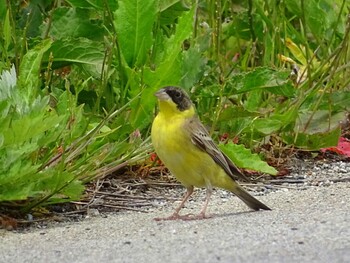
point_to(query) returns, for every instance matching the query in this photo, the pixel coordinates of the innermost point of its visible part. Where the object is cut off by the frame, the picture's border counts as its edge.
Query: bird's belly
(190, 165)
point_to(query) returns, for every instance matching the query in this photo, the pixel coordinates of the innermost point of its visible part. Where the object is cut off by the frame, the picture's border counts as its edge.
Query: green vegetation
(77, 79)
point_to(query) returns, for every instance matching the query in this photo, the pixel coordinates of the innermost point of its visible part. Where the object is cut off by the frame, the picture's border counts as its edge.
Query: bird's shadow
(193, 217)
(224, 215)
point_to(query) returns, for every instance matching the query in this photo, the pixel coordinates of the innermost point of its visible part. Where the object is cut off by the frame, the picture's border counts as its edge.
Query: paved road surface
(305, 226)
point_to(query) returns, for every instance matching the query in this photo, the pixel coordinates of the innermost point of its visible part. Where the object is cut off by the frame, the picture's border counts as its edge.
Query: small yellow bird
(185, 147)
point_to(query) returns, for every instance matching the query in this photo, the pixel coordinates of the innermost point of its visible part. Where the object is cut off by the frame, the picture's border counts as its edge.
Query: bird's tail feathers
(248, 199)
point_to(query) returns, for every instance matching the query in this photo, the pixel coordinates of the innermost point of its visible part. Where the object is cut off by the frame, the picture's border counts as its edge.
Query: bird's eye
(177, 94)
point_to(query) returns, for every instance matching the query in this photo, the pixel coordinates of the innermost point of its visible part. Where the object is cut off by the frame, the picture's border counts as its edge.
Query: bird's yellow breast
(173, 145)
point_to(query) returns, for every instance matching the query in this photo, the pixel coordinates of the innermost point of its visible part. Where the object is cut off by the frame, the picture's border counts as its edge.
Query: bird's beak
(162, 95)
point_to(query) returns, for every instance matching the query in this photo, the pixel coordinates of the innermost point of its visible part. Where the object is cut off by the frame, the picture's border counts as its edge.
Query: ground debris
(131, 190)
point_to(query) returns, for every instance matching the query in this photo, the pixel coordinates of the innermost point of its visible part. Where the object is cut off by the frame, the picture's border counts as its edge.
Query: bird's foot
(186, 217)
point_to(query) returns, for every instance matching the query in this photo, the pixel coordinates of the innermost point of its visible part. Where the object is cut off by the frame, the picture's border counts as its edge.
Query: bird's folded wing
(200, 138)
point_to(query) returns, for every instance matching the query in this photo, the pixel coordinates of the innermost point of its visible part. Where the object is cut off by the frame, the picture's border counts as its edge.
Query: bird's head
(174, 100)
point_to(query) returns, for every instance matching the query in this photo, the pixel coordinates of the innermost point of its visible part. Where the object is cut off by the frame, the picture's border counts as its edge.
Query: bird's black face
(179, 97)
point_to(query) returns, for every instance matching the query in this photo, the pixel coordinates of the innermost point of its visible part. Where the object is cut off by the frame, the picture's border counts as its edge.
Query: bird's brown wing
(200, 137)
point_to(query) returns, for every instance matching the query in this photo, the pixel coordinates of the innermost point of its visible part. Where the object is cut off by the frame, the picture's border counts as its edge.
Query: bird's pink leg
(176, 215)
(201, 214)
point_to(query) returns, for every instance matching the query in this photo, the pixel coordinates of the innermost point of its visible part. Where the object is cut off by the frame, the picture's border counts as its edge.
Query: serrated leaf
(134, 22)
(243, 158)
(8, 80)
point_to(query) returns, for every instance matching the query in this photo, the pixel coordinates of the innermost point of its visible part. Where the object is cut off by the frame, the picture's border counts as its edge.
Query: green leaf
(58, 186)
(81, 51)
(3, 8)
(321, 121)
(17, 173)
(314, 141)
(276, 122)
(98, 4)
(243, 158)
(316, 16)
(8, 81)
(29, 69)
(74, 22)
(339, 99)
(7, 31)
(315, 130)
(168, 72)
(267, 126)
(276, 82)
(192, 67)
(134, 22)
(171, 10)
(254, 100)
(29, 127)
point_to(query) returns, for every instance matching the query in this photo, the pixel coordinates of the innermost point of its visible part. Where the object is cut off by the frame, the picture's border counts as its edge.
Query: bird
(185, 147)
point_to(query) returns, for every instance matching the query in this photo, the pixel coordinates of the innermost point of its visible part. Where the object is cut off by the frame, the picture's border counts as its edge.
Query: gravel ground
(310, 222)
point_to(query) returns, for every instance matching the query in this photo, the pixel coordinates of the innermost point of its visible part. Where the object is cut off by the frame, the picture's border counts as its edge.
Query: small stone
(93, 212)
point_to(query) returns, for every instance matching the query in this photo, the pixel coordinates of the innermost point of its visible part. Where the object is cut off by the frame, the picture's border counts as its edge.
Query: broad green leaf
(267, 126)
(171, 10)
(243, 158)
(274, 123)
(321, 121)
(166, 4)
(81, 51)
(262, 78)
(315, 130)
(254, 100)
(134, 22)
(314, 141)
(234, 112)
(98, 4)
(29, 69)
(319, 15)
(339, 99)
(192, 67)
(73, 23)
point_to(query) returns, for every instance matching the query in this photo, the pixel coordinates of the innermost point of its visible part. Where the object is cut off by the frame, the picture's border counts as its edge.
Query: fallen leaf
(343, 147)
